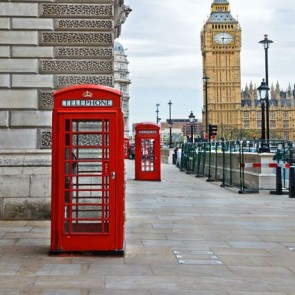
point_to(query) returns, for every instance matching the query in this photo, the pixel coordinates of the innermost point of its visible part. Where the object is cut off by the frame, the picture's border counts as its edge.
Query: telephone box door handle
(113, 175)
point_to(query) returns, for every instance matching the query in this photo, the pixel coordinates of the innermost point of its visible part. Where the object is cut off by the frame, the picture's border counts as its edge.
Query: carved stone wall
(85, 52)
(45, 99)
(76, 10)
(75, 38)
(45, 139)
(82, 24)
(76, 66)
(67, 80)
(45, 46)
(82, 40)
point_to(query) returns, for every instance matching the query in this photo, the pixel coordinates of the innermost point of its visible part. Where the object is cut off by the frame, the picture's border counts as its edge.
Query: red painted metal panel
(126, 148)
(147, 151)
(87, 171)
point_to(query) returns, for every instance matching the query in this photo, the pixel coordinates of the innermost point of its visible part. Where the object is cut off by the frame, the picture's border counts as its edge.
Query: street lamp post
(265, 42)
(170, 125)
(206, 78)
(262, 102)
(157, 111)
(263, 94)
(192, 121)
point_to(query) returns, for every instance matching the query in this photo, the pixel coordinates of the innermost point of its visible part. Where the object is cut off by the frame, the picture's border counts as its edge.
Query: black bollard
(174, 157)
(292, 182)
(279, 186)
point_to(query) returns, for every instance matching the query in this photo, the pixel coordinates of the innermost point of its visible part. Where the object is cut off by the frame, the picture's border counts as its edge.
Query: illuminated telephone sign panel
(87, 213)
(147, 152)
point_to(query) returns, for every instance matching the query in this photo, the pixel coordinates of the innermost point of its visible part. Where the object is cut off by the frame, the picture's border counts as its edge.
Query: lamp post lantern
(265, 42)
(170, 125)
(192, 121)
(205, 79)
(263, 93)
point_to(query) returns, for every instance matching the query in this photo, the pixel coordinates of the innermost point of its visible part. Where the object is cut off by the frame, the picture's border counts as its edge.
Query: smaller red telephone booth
(147, 152)
(87, 206)
(126, 148)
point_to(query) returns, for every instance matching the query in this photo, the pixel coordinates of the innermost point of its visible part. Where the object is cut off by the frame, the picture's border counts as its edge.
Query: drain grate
(196, 257)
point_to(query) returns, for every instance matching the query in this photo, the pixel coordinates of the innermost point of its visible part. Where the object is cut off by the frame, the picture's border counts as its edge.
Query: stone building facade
(122, 82)
(281, 111)
(181, 130)
(44, 46)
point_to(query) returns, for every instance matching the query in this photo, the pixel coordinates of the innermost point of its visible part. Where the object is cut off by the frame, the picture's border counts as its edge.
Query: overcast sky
(162, 41)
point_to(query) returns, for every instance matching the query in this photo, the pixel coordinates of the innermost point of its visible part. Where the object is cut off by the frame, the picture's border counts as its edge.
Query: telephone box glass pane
(147, 154)
(86, 176)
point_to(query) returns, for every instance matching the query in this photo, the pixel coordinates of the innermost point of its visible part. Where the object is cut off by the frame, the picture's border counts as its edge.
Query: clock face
(223, 38)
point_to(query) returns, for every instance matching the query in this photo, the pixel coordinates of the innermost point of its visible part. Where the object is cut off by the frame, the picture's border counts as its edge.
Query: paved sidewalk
(183, 236)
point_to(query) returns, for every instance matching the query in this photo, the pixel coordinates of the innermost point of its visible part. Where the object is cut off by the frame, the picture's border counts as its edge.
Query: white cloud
(163, 41)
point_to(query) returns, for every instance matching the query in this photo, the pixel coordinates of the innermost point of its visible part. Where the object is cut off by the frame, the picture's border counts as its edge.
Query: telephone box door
(87, 180)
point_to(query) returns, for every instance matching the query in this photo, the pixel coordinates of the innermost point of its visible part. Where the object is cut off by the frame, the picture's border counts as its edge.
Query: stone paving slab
(184, 236)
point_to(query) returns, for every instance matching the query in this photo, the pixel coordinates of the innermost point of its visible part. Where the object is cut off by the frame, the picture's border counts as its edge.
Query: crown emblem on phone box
(87, 94)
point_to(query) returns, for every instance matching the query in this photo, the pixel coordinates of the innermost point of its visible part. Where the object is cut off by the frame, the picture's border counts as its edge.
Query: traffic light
(212, 130)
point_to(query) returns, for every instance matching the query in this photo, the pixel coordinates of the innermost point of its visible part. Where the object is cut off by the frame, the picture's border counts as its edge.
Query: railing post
(209, 163)
(292, 182)
(198, 162)
(241, 156)
(204, 158)
(182, 159)
(223, 164)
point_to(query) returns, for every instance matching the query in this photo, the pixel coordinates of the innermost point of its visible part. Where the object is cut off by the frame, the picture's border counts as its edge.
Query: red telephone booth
(147, 152)
(87, 211)
(126, 148)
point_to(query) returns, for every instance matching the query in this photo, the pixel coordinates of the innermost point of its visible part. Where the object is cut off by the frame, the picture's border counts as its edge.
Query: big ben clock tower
(221, 47)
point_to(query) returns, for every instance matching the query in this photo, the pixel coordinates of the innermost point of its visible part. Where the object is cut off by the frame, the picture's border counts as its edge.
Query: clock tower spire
(220, 6)
(221, 47)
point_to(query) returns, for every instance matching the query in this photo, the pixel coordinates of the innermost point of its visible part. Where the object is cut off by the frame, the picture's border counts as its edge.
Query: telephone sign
(87, 171)
(86, 103)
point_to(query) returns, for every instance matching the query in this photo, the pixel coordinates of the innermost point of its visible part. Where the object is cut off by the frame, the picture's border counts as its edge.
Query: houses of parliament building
(236, 112)
(281, 112)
